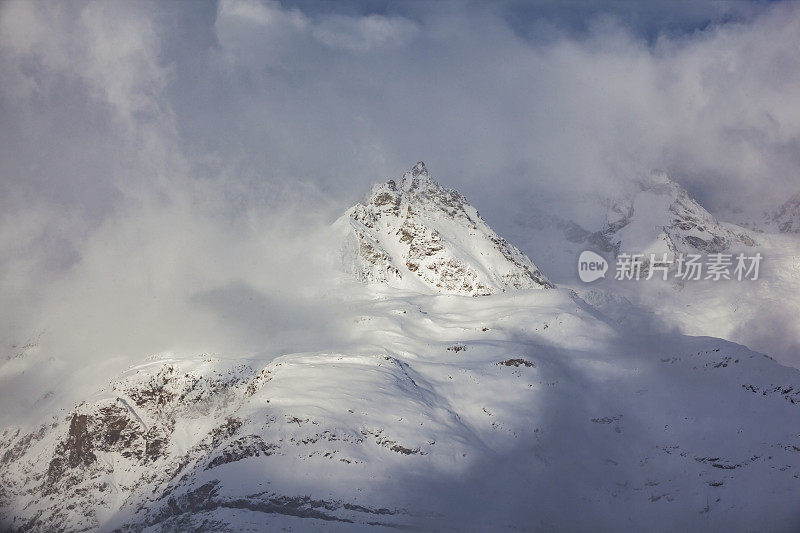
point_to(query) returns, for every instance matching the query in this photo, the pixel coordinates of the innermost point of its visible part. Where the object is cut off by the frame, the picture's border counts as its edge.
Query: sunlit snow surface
(525, 410)
(418, 235)
(532, 407)
(660, 217)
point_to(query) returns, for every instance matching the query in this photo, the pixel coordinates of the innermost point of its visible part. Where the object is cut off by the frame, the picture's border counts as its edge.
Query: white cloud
(156, 159)
(267, 14)
(361, 34)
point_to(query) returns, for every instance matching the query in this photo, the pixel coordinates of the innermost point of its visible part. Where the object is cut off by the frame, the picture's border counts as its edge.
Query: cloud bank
(167, 171)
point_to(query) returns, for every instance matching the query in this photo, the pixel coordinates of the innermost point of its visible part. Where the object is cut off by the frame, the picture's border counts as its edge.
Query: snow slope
(420, 235)
(444, 411)
(661, 217)
(658, 216)
(522, 409)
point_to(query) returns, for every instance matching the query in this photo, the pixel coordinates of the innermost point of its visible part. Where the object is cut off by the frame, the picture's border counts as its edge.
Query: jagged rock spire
(424, 236)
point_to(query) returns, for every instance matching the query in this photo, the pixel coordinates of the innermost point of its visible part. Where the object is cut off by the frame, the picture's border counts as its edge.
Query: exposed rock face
(418, 234)
(504, 393)
(692, 227)
(158, 442)
(109, 448)
(662, 217)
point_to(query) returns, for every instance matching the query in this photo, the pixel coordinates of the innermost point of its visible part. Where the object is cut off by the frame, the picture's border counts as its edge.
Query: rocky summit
(417, 234)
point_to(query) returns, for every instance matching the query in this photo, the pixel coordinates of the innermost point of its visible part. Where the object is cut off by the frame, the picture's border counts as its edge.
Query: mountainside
(661, 217)
(434, 411)
(417, 234)
(443, 411)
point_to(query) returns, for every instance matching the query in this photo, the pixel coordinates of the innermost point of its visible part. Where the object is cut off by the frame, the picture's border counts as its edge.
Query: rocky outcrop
(661, 217)
(418, 234)
(164, 432)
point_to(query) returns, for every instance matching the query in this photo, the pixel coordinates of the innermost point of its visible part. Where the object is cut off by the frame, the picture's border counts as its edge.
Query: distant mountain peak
(418, 178)
(664, 217)
(419, 169)
(420, 235)
(660, 216)
(658, 177)
(787, 217)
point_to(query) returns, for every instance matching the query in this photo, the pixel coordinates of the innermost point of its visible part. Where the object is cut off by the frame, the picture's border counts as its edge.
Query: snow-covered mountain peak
(662, 217)
(422, 236)
(417, 176)
(659, 183)
(472, 407)
(659, 180)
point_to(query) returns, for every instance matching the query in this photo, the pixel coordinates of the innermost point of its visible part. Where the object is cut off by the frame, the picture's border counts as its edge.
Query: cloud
(242, 23)
(161, 162)
(365, 33)
(110, 248)
(568, 113)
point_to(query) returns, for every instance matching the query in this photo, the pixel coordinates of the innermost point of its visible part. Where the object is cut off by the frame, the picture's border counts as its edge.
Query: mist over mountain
(476, 368)
(218, 258)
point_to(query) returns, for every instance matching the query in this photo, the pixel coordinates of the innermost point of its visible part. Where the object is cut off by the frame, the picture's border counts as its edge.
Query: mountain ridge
(416, 233)
(661, 217)
(435, 410)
